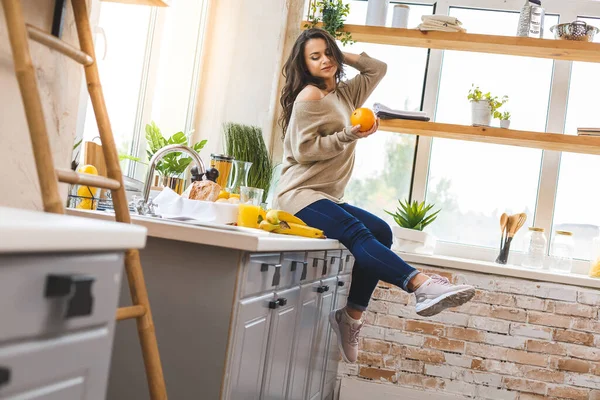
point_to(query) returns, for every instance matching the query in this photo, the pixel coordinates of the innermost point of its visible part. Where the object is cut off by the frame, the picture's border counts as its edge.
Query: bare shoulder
(310, 93)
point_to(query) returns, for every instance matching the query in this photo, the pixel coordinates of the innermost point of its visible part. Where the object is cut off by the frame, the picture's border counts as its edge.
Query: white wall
(59, 80)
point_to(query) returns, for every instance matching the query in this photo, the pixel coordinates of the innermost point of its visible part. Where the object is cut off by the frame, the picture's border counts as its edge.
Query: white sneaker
(437, 294)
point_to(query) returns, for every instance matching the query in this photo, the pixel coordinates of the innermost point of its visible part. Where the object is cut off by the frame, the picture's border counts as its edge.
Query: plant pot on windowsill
(505, 123)
(412, 218)
(481, 113)
(413, 241)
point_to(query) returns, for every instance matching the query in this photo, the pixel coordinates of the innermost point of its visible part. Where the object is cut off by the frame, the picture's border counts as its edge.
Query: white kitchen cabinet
(319, 352)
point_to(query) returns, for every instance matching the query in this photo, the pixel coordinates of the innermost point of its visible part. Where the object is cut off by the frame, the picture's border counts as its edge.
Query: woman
(318, 160)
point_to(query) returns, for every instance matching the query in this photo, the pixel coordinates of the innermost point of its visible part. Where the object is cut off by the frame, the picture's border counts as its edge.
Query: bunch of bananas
(279, 221)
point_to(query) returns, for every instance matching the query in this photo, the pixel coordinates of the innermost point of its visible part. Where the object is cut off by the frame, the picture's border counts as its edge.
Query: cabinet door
(303, 340)
(250, 349)
(333, 358)
(319, 349)
(281, 338)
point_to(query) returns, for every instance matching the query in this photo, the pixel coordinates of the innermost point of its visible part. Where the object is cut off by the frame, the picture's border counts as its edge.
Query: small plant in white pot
(412, 218)
(504, 118)
(483, 106)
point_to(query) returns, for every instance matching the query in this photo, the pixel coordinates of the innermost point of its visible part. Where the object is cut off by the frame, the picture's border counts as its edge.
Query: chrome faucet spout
(163, 152)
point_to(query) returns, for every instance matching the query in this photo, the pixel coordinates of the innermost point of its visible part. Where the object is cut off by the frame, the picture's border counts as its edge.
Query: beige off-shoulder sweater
(319, 146)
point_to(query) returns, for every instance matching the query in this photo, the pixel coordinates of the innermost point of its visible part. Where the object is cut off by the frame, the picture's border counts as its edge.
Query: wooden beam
(510, 45)
(538, 140)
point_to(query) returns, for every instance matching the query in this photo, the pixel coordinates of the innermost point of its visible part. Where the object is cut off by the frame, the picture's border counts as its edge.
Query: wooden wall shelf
(511, 45)
(546, 141)
(155, 3)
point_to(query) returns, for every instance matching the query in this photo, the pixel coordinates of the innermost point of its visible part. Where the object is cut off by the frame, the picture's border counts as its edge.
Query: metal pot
(577, 30)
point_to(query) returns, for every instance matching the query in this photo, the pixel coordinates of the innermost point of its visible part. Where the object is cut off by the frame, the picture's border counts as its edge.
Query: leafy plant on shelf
(502, 116)
(332, 14)
(172, 164)
(414, 215)
(476, 94)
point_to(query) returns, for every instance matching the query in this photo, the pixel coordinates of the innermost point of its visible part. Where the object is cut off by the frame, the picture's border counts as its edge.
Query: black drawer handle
(341, 283)
(273, 304)
(304, 265)
(282, 301)
(326, 288)
(4, 376)
(323, 289)
(347, 257)
(264, 267)
(77, 289)
(324, 271)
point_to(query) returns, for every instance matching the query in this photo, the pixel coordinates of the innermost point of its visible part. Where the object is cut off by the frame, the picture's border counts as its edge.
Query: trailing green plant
(332, 13)
(476, 94)
(414, 215)
(246, 143)
(172, 164)
(502, 116)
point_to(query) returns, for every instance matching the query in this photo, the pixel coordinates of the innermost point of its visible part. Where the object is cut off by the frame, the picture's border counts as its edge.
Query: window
(474, 183)
(578, 194)
(149, 72)
(384, 162)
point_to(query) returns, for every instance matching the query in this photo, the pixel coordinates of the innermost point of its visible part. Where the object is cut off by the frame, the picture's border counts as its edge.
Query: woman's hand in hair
(356, 130)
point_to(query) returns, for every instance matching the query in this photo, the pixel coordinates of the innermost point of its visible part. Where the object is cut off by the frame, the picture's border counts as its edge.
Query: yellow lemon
(223, 194)
(234, 196)
(87, 191)
(86, 204)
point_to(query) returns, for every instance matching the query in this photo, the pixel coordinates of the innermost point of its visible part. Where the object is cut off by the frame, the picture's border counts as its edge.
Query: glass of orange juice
(249, 209)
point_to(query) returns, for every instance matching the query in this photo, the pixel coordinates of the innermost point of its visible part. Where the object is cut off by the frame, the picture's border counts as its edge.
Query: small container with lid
(561, 252)
(535, 245)
(223, 164)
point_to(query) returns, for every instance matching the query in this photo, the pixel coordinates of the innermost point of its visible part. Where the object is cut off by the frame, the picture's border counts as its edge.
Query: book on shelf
(588, 131)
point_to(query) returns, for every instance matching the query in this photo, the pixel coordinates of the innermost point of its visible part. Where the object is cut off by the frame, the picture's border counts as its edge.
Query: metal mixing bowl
(577, 30)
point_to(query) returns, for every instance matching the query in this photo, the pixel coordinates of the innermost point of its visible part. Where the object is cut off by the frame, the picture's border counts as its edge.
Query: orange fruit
(364, 117)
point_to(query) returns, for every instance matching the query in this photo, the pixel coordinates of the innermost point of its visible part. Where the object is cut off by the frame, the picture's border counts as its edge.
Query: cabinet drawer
(336, 266)
(50, 294)
(59, 366)
(318, 264)
(262, 272)
(294, 269)
(348, 261)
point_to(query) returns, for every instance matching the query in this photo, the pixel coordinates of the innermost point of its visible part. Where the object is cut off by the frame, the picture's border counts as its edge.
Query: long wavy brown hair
(296, 72)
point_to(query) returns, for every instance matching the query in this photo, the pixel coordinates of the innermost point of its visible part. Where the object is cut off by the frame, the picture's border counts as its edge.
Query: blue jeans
(369, 239)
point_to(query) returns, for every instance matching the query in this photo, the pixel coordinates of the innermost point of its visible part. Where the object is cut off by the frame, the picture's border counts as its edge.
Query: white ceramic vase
(505, 123)
(481, 113)
(413, 241)
(400, 16)
(377, 12)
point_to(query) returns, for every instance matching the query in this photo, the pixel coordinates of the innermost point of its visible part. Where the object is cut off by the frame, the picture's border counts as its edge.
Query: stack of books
(588, 131)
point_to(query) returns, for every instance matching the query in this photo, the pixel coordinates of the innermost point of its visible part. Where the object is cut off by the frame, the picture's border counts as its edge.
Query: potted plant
(412, 218)
(332, 14)
(504, 118)
(483, 106)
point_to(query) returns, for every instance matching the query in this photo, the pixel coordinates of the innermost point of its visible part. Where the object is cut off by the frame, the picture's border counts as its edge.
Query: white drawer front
(348, 261)
(318, 264)
(49, 294)
(294, 269)
(336, 266)
(58, 366)
(262, 272)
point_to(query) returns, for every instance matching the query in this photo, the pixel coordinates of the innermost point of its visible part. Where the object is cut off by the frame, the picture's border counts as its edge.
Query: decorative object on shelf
(588, 131)
(531, 20)
(483, 106)
(377, 12)
(576, 30)
(595, 258)
(535, 245)
(509, 226)
(400, 16)
(504, 118)
(412, 218)
(332, 13)
(562, 250)
(246, 143)
(385, 112)
(172, 166)
(441, 23)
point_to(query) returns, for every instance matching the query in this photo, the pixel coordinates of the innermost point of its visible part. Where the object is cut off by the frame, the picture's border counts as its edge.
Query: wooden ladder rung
(130, 312)
(77, 178)
(62, 47)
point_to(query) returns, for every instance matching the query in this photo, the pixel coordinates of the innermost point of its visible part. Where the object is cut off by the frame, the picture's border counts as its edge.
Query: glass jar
(595, 258)
(535, 244)
(561, 252)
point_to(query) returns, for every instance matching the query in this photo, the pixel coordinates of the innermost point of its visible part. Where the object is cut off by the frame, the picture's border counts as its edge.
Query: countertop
(246, 239)
(26, 231)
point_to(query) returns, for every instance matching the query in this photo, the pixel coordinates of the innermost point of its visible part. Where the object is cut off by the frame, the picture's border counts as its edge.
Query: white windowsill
(486, 267)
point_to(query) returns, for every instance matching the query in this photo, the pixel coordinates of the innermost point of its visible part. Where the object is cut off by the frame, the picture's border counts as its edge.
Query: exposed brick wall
(517, 340)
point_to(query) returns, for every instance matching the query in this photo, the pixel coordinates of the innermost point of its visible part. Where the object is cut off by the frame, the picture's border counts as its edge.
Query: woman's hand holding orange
(356, 130)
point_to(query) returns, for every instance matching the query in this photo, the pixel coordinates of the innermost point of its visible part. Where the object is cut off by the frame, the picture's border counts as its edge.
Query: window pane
(126, 29)
(384, 161)
(577, 195)
(474, 183)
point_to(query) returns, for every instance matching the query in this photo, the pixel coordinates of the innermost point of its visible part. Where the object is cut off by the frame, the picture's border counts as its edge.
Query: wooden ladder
(49, 177)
